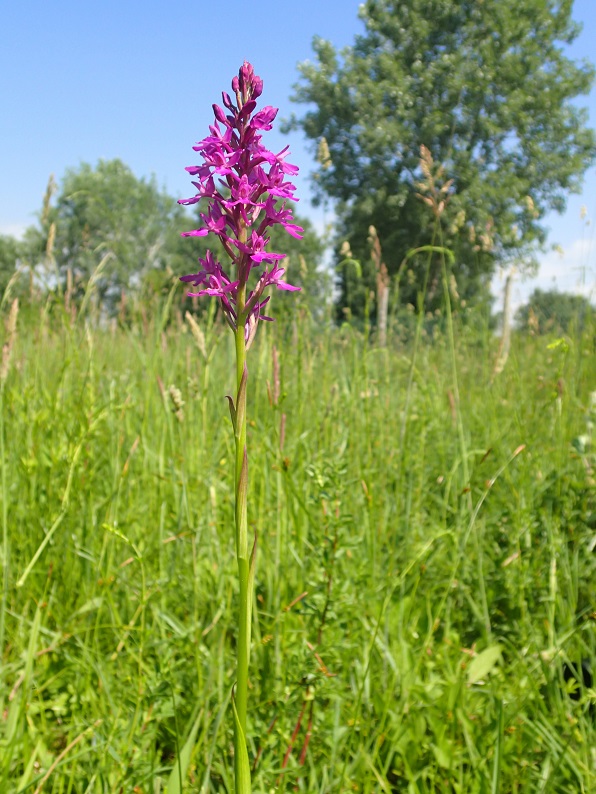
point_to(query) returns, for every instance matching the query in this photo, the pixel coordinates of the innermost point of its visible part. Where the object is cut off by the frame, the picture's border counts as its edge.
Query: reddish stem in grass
(293, 739)
(308, 734)
(260, 750)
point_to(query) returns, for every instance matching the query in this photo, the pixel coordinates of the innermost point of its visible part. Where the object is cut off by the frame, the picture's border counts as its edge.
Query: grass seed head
(11, 334)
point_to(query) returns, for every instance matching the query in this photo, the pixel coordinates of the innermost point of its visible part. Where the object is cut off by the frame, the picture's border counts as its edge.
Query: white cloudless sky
(80, 81)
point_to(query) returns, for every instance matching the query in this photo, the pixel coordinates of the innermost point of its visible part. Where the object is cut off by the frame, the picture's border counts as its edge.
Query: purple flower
(250, 196)
(282, 216)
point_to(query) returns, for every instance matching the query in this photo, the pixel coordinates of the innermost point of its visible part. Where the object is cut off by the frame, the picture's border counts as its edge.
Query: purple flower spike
(248, 196)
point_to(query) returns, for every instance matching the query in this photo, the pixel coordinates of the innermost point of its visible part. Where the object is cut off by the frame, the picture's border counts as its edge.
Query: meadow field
(426, 576)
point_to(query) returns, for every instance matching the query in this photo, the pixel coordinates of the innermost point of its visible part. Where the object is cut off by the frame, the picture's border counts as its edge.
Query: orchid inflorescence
(245, 189)
(250, 196)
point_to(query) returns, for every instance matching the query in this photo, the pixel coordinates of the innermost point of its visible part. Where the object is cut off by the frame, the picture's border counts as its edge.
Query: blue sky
(81, 81)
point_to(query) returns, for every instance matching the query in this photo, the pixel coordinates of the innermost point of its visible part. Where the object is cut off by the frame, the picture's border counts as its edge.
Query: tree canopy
(550, 310)
(486, 87)
(107, 214)
(104, 221)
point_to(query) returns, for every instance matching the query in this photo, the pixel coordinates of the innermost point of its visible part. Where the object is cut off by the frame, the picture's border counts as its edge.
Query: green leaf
(178, 773)
(443, 752)
(89, 606)
(241, 756)
(481, 665)
(498, 759)
(232, 408)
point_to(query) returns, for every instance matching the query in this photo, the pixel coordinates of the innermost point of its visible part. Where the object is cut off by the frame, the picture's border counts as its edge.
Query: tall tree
(487, 88)
(126, 232)
(105, 215)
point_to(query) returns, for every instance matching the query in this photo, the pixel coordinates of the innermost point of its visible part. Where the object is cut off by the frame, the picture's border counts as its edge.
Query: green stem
(242, 554)
(5, 551)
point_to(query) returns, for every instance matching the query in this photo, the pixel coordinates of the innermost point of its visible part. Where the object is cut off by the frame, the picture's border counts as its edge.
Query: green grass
(421, 580)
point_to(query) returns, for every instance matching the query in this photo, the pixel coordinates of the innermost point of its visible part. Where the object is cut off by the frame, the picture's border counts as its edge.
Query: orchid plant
(247, 191)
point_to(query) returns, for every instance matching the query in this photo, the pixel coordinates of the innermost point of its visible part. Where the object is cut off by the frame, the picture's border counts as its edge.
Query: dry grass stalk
(9, 288)
(324, 155)
(177, 402)
(95, 276)
(47, 199)
(432, 192)
(505, 343)
(50, 242)
(453, 287)
(69, 305)
(197, 333)
(274, 393)
(533, 322)
(68, 293)
(382, 285)
(485, 237)
(11, 335)
(64, 753)
(303, 266)
(276, 378)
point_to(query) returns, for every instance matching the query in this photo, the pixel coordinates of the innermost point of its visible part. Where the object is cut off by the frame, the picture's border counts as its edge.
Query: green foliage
(303, 269)
(17, 267)
(553, 311)
(10, 253)
(106, 217)
(121, 234)
(420, 579)
(487, 88)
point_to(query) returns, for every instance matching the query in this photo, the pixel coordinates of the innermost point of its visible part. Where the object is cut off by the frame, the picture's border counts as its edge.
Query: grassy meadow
(426, 559)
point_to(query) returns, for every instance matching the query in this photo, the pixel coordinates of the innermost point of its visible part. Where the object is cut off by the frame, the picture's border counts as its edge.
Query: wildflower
(248, 191)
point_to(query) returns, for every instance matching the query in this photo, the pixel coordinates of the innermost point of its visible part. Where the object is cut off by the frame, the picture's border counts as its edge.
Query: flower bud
(257, 87)
(248, 108)
(253, 181)
(245, 74)
(219, 114)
